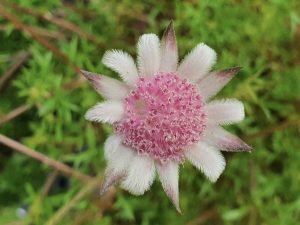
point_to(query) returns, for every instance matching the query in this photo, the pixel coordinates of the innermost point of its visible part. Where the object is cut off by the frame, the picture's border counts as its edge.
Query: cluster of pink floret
(163, 115)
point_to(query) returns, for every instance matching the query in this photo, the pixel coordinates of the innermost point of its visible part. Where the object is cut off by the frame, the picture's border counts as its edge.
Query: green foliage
(257, 188)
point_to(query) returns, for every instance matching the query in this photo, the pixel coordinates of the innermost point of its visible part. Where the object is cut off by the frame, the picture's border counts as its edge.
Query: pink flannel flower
(162, 115)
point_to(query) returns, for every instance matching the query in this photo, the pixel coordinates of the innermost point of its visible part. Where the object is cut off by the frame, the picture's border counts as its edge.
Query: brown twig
(106, 202)
(43, 41)
(57, 21)
(75, 83)
(13, 114)
(18, 222)
(83, 12)
(36, 206)
(42, 32)
(47, 33)
(88, 188)
(48, 184)
(253, 186)
(21, 58)
(205, 216)
(85, 217)
(269, 130)
(44, 159)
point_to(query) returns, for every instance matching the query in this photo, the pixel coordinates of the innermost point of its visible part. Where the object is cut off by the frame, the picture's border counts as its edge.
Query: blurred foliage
(258, 188)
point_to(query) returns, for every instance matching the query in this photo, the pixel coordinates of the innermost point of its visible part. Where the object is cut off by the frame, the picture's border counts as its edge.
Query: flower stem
(44, 159)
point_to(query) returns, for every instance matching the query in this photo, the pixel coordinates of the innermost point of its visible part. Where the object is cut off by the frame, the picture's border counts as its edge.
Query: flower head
(162, 114)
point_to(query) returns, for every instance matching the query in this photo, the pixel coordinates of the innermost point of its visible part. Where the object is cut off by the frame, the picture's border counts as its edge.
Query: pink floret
(163, 115)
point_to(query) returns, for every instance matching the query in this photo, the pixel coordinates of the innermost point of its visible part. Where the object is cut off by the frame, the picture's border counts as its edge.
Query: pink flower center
(163, 115)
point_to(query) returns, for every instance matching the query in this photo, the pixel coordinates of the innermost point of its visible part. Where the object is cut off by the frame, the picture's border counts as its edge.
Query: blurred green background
(43, 101)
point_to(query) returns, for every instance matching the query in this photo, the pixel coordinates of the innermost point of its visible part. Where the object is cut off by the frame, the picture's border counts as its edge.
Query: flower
(162, 115)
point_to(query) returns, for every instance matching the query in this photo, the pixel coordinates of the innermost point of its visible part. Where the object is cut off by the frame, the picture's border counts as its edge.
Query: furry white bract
(169, 51)
(120, 159)
(210, 85)
(168, 175)
(112, 89)
(221, 139)
(109, 88)
(111, 145)
(197, 63)
(140, 176)
(148, 55)
(107, 112)
(207, 159)
(123, 64)
(225, 111)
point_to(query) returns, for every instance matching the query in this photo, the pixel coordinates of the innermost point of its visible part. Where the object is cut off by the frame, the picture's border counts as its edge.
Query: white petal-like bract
(168, 175)
(118, 161)
(107, 112)
(207, 159)
(111, 145)
(120, 158)
(169, 51)
(197, 63)
(122, 63)
(210, 85)
(224, 140)
(140, 175)
(226, 111)
(109, 88)
(148, 55)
